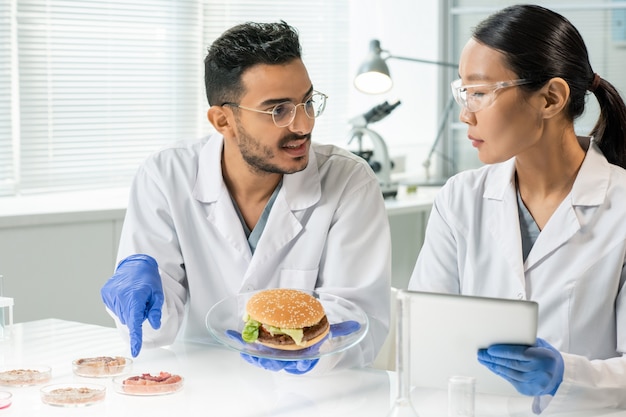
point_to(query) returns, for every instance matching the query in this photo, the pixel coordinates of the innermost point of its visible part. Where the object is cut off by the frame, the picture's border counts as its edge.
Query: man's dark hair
(242, 47)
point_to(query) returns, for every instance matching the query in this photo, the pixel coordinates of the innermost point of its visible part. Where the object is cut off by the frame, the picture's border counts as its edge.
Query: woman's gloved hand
(135, 293)
(297, 367)
(533, 370)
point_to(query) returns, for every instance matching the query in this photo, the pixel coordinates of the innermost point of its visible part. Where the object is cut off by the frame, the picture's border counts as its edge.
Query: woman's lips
(475, 141)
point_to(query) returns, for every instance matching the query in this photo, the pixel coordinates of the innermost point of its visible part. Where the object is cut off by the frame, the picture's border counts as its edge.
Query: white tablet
(447, 331)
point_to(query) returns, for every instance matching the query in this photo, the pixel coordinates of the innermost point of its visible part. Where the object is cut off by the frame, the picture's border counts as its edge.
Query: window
(88, 88)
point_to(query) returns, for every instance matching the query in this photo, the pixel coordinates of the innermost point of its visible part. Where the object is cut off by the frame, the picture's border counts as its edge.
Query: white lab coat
(327, 231)
(575, 271)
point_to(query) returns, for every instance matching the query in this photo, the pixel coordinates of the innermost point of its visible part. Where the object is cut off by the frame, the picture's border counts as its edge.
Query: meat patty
(282, 339)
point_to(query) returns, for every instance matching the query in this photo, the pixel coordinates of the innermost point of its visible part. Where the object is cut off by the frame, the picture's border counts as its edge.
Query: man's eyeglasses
(475, 97)
(284, 113)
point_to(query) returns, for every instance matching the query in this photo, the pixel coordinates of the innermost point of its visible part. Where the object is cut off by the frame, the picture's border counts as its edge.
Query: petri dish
(145, 383)
(23, 376)
(73, 395)
(6, 398)
(101, 366)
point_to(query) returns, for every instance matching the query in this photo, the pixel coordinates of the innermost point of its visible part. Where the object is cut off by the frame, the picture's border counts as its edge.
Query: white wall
(405, 28)
(55, 269)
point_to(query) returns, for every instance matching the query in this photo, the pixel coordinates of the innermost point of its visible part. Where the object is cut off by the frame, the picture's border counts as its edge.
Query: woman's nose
(466, 116)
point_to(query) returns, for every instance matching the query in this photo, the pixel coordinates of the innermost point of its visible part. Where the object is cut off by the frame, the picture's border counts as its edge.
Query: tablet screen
(447, 331)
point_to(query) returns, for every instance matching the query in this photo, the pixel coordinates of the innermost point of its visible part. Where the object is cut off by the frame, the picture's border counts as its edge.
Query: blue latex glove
(533, 370)
(135, 293)
(297, 367)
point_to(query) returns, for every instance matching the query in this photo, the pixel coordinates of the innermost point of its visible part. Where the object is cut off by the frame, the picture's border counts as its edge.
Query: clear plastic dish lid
(73, 394)
(101, 366)
(348, 326)
(5, 399)
(25, 375)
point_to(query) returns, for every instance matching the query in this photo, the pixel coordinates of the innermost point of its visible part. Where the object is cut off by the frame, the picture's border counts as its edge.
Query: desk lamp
(374, 77)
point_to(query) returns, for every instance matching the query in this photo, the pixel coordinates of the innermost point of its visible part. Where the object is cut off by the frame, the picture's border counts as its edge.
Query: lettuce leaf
(250, 332)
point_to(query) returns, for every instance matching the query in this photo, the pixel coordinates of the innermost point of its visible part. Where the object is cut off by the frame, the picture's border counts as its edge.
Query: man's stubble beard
(257, 156)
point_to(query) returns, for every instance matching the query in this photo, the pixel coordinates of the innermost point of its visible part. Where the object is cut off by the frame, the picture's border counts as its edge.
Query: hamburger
(284, 319)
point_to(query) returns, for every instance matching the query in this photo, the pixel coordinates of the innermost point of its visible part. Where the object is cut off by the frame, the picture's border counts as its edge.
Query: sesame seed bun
(288, 309)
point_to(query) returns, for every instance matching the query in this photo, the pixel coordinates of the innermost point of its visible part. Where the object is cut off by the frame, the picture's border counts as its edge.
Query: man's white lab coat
(327, 231)
(576, 270)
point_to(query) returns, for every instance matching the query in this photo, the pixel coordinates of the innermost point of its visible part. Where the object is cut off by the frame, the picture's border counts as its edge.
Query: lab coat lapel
(589, 190)
(281, 228)
(211, 190)
(500, 196)
(300, 191)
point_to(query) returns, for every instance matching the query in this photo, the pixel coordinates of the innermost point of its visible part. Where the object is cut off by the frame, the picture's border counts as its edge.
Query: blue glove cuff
(559, 368)
(139, 257)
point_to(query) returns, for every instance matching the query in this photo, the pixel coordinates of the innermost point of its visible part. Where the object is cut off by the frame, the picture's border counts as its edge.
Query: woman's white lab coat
(327, 231)
(575, 271)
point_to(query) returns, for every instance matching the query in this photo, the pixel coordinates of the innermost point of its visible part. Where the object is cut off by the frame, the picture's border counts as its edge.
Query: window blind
(101, 83)
(7, 174)
(90, 87)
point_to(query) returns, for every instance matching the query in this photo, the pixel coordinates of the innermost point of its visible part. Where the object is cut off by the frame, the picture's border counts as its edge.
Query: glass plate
(227, 315)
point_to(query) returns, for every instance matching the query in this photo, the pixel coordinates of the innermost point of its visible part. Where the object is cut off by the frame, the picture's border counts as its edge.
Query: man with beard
(256, 205)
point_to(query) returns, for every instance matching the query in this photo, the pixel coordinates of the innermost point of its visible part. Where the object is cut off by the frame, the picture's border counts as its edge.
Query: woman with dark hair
(545, 218)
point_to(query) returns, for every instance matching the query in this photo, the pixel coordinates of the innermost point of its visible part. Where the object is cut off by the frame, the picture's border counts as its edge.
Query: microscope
(378, 157)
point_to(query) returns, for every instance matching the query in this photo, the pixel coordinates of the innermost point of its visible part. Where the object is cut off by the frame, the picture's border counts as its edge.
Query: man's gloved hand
(297, 367)
(135, 293)
(533, 370)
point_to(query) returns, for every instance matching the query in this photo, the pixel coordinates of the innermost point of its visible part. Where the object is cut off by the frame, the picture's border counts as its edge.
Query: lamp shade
(373, 75)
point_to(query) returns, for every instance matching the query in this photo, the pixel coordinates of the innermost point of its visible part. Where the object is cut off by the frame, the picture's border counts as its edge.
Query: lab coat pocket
(298, 278)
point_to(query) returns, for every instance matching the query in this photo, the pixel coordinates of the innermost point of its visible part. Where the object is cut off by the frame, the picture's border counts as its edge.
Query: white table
(217, 381)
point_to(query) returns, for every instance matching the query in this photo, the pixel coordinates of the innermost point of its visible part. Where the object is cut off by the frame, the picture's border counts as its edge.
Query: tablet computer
(446, 331)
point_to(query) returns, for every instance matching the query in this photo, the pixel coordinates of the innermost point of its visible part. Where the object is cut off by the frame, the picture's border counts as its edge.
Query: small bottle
(461, 392)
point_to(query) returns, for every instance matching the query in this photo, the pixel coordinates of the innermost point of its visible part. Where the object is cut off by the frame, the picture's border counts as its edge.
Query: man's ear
(221, 120)
(556, 93)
